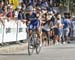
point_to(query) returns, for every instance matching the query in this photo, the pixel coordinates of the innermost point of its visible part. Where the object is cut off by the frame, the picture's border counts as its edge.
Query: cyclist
(33, 21)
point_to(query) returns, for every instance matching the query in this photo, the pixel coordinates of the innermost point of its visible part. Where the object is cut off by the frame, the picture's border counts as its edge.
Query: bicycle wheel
(30, 47)
(38, 47)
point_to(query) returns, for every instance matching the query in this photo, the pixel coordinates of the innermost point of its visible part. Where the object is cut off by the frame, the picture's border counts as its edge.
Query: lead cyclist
(32, 21)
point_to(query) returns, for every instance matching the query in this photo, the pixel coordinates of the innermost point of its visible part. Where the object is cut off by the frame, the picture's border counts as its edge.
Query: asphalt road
(65, 52)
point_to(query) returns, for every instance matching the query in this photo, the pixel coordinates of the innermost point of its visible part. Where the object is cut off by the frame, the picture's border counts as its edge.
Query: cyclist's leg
(38, 30)
(30, 29)
(38, 33)
(37, 24)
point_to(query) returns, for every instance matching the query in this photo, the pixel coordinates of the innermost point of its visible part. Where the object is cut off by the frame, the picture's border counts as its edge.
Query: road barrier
(1, 32)
(12, 31)
(21, 31)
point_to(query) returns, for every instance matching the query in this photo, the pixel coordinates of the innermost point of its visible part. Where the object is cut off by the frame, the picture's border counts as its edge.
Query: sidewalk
(13, 48)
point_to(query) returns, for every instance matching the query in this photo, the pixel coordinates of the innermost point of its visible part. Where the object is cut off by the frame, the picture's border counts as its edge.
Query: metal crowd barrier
(12, 31)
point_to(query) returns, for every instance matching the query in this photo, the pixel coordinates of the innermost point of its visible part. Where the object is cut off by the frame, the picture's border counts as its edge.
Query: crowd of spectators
(57, 27)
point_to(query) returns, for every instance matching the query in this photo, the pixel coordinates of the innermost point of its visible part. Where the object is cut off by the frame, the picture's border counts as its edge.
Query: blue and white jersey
(31, 17)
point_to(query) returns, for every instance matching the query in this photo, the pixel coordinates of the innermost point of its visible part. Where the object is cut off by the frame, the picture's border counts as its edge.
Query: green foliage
(71, 7)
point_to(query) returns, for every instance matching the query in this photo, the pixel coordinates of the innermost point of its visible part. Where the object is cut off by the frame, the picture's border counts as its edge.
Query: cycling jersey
(34, 20)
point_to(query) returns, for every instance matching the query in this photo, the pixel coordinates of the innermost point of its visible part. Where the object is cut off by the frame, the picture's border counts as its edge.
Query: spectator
(20, 17)
(58, 30)
(44, 4)
(1, 10)
(10, 13)
(16, 13)
(67, 24)
(73, 26)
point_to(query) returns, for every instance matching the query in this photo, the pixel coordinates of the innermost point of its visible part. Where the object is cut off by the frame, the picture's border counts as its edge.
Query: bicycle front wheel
(38, 47)
(30, 48)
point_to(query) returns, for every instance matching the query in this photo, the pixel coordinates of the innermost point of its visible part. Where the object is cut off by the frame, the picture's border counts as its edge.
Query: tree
(69, 4)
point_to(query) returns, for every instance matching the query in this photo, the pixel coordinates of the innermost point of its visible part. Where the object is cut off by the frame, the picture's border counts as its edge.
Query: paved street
(65, 52)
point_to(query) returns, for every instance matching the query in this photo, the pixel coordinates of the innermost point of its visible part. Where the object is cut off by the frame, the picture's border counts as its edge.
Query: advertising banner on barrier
(22, 34)
(10, 31)
(1, 32)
